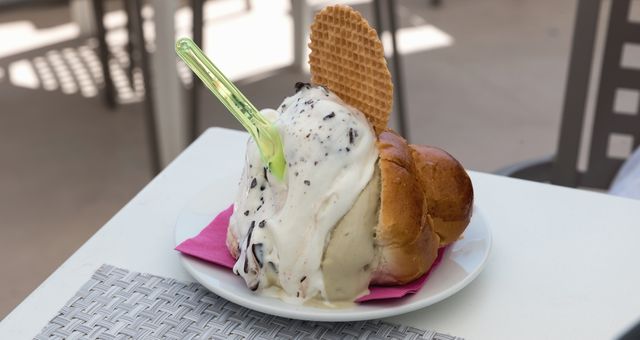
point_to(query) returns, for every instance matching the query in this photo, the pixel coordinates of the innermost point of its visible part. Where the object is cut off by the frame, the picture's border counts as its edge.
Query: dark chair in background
(138, 55)
(103, 51)
(608, 124)
(138, 58)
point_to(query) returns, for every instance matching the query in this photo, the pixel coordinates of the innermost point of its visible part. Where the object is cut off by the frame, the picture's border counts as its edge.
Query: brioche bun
(447, 189)
(407, 246)
(425, 203)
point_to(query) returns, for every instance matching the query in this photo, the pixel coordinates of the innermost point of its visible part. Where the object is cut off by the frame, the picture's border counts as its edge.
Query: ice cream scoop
(282, 228)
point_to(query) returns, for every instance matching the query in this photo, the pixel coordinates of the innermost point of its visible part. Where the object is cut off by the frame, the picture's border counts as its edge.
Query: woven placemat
(119, 304)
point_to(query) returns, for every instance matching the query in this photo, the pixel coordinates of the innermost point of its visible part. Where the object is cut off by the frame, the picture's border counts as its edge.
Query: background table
(564, 262)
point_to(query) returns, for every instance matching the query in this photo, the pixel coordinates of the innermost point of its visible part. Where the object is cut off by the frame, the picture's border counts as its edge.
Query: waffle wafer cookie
(347, 57)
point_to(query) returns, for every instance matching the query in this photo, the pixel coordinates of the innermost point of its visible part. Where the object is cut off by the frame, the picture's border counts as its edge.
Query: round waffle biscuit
(347, 57)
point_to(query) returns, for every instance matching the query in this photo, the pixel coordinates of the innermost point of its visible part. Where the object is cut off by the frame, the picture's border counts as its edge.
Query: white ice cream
(284, 227)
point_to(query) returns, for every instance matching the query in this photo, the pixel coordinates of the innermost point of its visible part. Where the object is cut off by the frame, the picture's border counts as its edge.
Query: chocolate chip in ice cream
(299, 85)
(329, 116)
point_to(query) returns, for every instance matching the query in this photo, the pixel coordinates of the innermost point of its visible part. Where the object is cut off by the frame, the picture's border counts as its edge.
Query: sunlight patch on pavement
(22, 36)
(417, 39)
(22, 74)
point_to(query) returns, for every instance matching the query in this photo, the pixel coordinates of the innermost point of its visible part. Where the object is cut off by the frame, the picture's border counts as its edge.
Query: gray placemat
(119, 304)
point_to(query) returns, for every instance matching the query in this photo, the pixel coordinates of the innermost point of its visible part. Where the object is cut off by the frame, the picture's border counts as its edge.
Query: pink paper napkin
(209, 245)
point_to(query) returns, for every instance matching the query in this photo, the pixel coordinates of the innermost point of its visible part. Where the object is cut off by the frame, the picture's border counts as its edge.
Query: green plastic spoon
(263, 132)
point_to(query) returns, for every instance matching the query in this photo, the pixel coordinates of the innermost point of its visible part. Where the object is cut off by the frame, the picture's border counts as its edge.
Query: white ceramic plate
(461, 263)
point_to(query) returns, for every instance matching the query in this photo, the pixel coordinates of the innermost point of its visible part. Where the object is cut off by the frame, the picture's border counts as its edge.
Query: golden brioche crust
(406, 243)
(447, 189)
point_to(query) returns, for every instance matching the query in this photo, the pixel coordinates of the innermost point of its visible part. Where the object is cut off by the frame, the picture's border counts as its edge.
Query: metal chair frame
(138, 58)
(562, 168)
(103, 53)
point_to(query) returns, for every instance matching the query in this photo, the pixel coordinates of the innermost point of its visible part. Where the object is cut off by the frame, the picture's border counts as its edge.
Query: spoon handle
(263, 132)
(226, 92)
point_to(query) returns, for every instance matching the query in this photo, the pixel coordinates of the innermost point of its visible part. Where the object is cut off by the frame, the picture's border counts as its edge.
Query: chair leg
(397, 71)
(197, 7)
(134, 12)
(103, 53)
(377, 17)
(300, 13)
(130, 47)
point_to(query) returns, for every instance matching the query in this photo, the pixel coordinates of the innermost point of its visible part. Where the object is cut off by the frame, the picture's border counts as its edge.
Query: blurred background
(94, 102)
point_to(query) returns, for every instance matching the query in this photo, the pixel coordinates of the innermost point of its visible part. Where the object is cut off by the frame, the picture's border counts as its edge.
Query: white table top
(564, 262)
